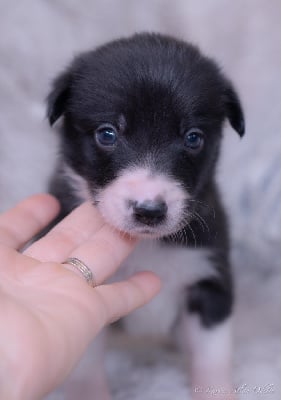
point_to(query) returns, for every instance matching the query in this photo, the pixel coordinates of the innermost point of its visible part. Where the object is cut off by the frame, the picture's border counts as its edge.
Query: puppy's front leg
(206, 338)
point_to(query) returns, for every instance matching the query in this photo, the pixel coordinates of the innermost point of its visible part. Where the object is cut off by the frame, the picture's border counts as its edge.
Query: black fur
(211, 299)
(153, 89)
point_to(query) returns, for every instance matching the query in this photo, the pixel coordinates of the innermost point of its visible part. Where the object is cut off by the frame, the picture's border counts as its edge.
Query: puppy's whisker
(184, 237)
(202, 220)
(201, 204)
(195, 217)
(193, 235)
(177, 236)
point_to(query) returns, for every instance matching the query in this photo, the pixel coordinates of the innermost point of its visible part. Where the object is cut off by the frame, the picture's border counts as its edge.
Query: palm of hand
(50, 314)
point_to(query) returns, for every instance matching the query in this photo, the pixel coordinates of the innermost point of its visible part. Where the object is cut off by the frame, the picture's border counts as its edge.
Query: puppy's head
(142, 127)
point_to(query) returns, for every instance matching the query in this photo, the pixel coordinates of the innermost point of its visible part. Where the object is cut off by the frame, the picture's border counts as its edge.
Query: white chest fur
(178, 267)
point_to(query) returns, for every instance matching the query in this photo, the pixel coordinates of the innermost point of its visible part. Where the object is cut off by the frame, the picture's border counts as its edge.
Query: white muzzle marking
(139, 185)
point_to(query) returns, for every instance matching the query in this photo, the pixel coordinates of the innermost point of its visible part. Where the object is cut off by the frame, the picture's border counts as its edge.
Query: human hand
(49, 314)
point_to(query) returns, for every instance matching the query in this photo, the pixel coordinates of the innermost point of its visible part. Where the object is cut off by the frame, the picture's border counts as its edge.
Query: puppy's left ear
(57, 99)
(233, 108)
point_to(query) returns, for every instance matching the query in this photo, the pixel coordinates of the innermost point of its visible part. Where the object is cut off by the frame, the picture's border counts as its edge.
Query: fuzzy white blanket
(38, 38)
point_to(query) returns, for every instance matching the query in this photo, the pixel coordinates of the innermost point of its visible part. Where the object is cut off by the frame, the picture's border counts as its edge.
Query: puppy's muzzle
(150, 212)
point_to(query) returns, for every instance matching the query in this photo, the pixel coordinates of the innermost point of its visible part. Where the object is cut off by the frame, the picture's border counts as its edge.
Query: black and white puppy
(141, 134)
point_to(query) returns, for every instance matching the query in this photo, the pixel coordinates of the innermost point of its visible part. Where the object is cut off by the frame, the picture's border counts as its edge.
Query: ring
(82, 267)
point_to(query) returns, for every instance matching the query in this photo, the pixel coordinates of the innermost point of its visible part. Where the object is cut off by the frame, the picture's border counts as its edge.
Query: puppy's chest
(178, 268)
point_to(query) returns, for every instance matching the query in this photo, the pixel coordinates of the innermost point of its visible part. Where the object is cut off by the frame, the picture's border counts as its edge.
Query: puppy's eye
(106, 135)
(194, 140)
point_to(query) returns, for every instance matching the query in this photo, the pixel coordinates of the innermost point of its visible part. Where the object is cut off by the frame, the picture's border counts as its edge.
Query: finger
(30, 216)
(14, 265)
(121, 298)
(76, 228)
(104, 252)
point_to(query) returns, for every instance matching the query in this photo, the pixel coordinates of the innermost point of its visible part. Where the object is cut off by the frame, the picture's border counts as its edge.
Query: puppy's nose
(150, 212)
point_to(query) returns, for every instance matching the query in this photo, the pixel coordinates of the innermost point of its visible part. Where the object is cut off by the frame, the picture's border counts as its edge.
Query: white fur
(135, 184)
(210, 352)
(79, 185)
(178, 268)
(140, 184)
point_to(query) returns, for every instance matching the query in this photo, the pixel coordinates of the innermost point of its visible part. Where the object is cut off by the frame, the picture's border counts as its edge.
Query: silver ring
(85, 271)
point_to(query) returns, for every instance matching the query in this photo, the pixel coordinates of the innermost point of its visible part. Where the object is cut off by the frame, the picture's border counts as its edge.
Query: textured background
(39, 37)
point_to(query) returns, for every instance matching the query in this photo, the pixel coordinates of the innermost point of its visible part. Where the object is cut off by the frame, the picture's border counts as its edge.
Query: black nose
(150, 212)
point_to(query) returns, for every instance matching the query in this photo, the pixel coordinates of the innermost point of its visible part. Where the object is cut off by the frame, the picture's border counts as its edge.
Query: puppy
(141, 133)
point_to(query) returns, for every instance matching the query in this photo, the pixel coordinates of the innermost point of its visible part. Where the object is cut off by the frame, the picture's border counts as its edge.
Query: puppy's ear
(233, 109)
(57, 99)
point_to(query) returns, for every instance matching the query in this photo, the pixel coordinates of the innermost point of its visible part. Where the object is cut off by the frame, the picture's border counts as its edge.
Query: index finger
(73, 230)
(19, 224)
